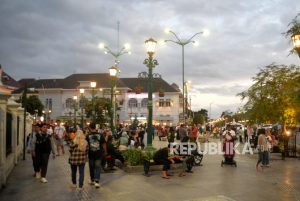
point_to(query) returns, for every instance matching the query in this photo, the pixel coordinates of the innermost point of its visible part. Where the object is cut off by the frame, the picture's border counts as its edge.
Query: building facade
(12, 133)
(131, 96)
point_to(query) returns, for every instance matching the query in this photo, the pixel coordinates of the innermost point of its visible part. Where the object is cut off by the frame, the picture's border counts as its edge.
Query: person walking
(262, 147)
(43, 146)
(78, 158)
(59, 134)
(96, 150)
(31, 149)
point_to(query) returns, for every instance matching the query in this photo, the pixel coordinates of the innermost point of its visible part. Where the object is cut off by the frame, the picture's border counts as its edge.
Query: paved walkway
(209, 182)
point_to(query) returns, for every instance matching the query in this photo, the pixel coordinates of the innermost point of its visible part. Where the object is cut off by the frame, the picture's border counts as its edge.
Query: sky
(54, 38)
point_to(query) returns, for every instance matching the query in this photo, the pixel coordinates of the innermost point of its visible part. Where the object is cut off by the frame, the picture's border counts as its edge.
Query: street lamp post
(118, 53)
(150, 63)
(93, 86)
(81, 101)
(113, 72)
(182, 42)
(296, 42)
(75, 109)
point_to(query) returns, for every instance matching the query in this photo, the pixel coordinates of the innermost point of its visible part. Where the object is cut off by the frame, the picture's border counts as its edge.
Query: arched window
(132, 102)
(144, 102)
(69, 103)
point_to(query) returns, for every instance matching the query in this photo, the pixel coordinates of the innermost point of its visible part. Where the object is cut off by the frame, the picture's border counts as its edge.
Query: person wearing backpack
(97, 149)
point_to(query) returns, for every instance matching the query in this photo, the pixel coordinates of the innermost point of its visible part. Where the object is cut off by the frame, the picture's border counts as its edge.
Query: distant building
(132, 97)
(7, 82)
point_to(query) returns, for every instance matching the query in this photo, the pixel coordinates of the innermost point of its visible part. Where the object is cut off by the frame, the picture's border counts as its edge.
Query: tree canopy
(275, 95)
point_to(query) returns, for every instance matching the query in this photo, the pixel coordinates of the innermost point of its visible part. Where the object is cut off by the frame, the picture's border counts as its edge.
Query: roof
(142, 83)
(8, 81)
(26, 81)
(103, 81)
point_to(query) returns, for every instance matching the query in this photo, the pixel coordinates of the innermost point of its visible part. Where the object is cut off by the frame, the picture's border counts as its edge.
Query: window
(168, 103)
(144, 102)
(48, 103)
(161, 103)
(69, 103)
(18, 130)
(132, 102)
(9, 120)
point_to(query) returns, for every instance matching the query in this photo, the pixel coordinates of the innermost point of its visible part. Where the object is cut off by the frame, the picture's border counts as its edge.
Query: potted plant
(161, 92)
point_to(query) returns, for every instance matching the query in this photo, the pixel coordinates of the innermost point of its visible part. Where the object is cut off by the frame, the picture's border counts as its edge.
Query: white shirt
(59, 131)
(228, 137)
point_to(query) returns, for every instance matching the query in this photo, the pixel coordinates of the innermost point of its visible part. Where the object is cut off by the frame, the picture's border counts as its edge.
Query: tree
(200, 116)
(34, 104)
(102, 108)
(274, 96)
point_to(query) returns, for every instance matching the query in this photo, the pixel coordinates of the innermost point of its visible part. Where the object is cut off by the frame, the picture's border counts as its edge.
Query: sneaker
(97, 185)
(37, 175)
(73, 185)
(44, 180)
(92, 183)
(80, 189)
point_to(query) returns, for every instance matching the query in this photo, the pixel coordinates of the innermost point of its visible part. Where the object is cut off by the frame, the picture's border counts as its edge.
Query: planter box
(140, 168)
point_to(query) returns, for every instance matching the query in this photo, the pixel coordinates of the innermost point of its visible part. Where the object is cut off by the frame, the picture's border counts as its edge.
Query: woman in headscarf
(78, 158)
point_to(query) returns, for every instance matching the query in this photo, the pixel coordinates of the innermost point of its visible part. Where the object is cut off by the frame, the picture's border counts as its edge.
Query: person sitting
(112, 154)
(163, 157)
(124, 141)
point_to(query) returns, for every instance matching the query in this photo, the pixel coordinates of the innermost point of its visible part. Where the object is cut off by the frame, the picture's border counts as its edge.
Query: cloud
(57, 38)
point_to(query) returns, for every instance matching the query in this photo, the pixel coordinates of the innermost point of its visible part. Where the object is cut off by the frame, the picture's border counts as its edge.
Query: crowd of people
(100, 147)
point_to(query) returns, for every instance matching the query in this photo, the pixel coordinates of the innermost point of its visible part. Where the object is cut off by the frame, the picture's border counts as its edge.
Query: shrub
(134, 157)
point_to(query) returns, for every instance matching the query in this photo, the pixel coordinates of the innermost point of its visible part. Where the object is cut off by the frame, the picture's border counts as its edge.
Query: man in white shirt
(59, 134)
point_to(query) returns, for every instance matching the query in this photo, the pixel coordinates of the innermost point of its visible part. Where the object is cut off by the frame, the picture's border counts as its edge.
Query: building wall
(169, 115)
(10, 160)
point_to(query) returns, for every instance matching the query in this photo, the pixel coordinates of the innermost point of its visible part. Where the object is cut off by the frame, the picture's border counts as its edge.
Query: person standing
(262, 146)
(59, 134)
(269, 143)
(182, 132)
(97, 149)
(44, 145)
(31, 149)
(78, 158)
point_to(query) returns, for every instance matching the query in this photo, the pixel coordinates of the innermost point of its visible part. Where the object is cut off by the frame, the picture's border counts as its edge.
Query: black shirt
(95, 141)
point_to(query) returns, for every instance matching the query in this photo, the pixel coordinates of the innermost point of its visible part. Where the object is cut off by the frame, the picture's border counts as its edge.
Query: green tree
(200, 116)
(34, 104)
(274, 96)
(102, 108)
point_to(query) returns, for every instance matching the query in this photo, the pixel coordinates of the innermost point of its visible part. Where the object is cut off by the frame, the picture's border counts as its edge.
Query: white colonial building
(131, 96)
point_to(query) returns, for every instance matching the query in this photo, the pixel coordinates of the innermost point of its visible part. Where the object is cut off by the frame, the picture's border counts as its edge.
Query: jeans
(81, 174)
(95, 169)
(263, 157)
(42, 163)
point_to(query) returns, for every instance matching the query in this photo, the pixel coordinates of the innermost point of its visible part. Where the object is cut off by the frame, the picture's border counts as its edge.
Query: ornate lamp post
(296, 42)
(81, 102)
(150, 63)
(75, 109)
(182, 43)
(113, 72)
(118, 53)
(93, 86)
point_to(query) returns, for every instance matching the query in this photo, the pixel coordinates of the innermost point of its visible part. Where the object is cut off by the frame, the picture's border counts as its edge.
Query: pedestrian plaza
(209, 182)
